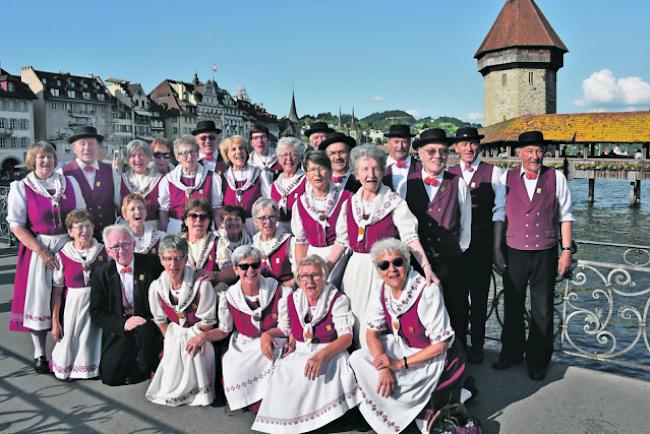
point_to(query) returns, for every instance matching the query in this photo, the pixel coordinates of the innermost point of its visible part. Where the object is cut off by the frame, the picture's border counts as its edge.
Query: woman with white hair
(276, 245)
(189, 180)
(373, 213)
(409, 353)
(321, 384)
(139, 177)
(290, 185)
(182, 307)
(242, 184)
(134, 212)
(250, 309)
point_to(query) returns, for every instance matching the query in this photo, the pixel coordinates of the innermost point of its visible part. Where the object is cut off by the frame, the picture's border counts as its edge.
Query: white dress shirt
(127, 281)
(399, 175)
(498, 187)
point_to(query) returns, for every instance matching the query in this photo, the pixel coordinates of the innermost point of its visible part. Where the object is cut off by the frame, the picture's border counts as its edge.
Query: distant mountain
(382, 120)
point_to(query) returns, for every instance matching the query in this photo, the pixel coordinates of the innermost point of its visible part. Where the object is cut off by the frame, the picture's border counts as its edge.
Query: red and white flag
(214, 67)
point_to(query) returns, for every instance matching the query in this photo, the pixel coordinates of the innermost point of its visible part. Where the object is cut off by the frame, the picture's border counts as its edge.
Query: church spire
(293, 113)
(340, 120)
(353, 122)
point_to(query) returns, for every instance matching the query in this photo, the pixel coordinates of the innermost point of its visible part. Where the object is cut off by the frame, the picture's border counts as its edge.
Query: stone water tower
(519, 59)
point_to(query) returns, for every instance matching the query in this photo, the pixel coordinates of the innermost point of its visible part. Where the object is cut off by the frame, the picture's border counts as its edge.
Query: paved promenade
(570, 400)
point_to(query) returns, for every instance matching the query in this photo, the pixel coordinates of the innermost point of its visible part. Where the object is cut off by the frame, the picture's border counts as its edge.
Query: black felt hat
(205, 127)
(399, 130)
(531, 138)
(336, 137)
(318, 127)
(468, 134)
(84, 132)
(433, 135)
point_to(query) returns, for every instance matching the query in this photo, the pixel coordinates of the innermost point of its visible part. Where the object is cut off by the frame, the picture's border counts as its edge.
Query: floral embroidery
(250, 381)
(378, 413)
(74, 368)
(185, 397)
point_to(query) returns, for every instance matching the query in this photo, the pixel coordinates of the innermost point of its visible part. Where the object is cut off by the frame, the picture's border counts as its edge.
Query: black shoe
(475, 356)
(41, 365)
(470, 384)
(135, 378)
(502, 364)
(537, 374)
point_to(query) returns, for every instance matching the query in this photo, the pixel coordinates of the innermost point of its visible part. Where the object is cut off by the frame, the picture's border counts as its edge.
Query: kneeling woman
(317, 376)
(409, 337)
(79, 342)
(182, 307)
(250, 309)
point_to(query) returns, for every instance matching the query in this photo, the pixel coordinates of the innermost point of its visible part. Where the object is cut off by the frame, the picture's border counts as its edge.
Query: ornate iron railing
(601, 309)
(6, 236)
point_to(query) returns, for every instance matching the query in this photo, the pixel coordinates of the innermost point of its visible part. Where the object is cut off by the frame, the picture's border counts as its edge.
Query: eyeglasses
(158, 155)
(122, 246)
(318, 169)
(172, 258)
(267, 218)
(397, 262)
(288, 155)
(207, 137)
(254, 265)
(432, 152)
(306, 277)
(186, 154)
(195, 216)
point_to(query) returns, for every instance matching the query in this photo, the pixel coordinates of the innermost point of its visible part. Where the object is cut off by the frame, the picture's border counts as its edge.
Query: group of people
(252, 270)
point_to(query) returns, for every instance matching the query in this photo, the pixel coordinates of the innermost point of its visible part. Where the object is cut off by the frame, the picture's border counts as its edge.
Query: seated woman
(409, 337)
(317, 373)
(231, 234)
(276, 245)
(135, 214)
(77, 351)
(203, 244)
(182, 307)
(250, 309)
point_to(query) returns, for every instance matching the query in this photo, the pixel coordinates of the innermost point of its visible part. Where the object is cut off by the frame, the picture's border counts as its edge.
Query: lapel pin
(141, 277)
(473, 184)
(539, 190)
(98, 184)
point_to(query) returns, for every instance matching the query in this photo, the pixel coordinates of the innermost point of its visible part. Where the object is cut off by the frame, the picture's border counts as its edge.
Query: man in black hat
(263, 155)
(94, 177)
(337, 147)
(441, 202)
(317, 133)
(537, 203)
(399, 163)
(207, 136)
(488, 202)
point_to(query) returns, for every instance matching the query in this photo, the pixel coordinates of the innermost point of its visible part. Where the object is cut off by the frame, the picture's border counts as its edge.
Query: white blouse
(431, 309)
(216, 196)
(17, 199)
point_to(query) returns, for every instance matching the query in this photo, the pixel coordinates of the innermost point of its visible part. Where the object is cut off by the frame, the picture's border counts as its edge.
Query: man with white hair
(119, 305)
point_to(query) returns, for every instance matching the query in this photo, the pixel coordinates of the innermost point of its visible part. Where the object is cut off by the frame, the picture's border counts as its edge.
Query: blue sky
(375, 55)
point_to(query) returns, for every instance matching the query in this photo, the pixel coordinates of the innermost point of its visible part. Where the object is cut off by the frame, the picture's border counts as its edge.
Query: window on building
(86, 95)
(3, 123)
(24, 124)
(530, 78)
(100, 97)
(24, 142)
(44, 80)
(72, 93)
(2, 142)
(503, 80)
(12, 124)
(175, 130)
(54, 92)
(13, 142)
(11, 87)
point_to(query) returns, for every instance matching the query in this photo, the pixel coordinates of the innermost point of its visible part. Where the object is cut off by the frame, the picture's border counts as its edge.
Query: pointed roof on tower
(293, 113)
(340, 121)
(520, 24)
(353, 123)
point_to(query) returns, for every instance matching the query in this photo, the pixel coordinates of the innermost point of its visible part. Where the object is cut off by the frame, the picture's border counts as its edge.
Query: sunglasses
(162, 155)
(254, 265)
(195, 216)
(397, 262)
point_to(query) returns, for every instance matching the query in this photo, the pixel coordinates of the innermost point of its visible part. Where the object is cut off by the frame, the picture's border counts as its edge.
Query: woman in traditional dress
(139, 178)
(314, 214)
(276, 245)
(250, 309)
(231, 235)
(410, 353)
(203, 254)
(134, 211)
(78, 347)
(290, 185)
(162, 156)
(189, 180)
(241, 183)
(182, 307)
(317, 376)
(37, 206)
(263, 156)
(373, 213)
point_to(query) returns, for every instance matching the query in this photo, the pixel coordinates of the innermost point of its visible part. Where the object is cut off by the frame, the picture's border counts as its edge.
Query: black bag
(454, 419)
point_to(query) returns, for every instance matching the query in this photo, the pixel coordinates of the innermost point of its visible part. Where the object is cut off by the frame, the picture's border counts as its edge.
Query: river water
(609, 219)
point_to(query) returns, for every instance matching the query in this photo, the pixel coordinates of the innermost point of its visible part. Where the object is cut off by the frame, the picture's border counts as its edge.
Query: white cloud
(474, 116)
(413, 112)
(377, 98)
(602, 87)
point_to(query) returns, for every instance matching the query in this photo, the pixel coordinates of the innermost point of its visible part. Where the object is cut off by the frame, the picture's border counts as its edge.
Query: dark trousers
(539, 268)
(478, 259)
(451, 272)
(135, 355)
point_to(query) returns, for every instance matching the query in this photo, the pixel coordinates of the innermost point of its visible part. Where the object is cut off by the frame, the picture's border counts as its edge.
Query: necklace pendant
(395, 325)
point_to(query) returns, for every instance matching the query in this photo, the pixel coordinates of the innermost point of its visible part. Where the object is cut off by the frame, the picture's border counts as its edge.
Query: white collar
(82, 165)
